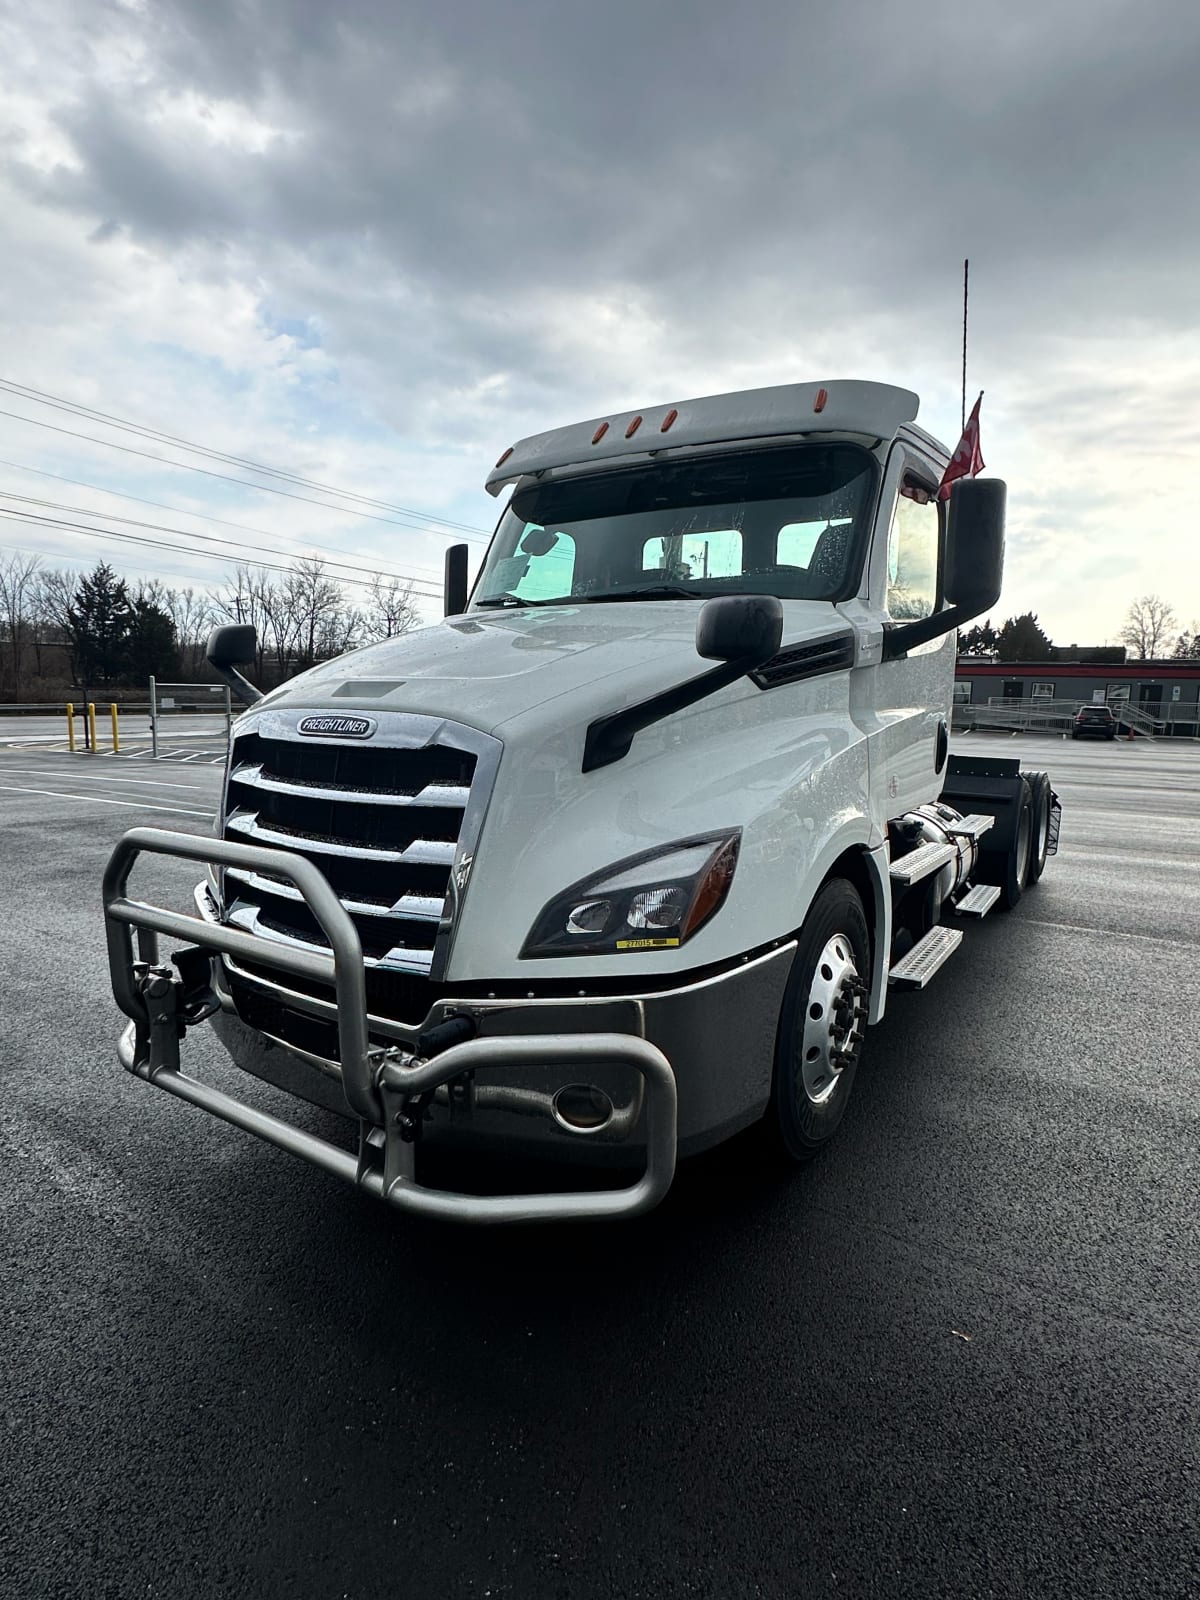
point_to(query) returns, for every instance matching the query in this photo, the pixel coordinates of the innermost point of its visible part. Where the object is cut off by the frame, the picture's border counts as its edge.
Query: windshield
(790, 522)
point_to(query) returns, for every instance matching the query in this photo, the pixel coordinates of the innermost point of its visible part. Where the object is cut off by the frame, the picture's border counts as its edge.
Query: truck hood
(487, 667)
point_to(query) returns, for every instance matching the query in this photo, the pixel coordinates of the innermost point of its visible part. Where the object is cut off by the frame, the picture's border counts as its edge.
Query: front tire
(822, 1023)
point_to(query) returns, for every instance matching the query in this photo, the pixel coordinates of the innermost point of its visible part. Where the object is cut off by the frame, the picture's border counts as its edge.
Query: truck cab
(622, 855)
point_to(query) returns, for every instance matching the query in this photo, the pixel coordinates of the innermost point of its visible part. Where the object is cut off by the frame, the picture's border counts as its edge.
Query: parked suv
(1094, 720)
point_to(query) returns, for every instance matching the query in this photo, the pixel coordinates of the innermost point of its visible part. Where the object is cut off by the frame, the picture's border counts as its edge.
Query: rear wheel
(1040, 799)
(822, 1023)
(1009, 869)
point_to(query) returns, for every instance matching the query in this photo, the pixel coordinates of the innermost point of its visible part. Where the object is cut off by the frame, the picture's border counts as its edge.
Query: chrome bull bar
(381, 1084)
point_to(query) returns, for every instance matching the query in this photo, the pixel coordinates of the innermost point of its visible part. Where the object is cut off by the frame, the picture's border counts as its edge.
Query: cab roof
(846, 406)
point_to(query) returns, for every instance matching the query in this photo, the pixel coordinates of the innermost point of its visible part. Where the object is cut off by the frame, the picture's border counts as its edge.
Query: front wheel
(822, 1023)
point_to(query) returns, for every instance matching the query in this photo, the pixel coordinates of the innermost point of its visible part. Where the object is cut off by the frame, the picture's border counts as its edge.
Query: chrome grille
(385, 823)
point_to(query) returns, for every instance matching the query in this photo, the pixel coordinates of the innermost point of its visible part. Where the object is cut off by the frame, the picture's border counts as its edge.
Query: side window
(914, 544)
(695, 555)
(795, 543)
(543, 567)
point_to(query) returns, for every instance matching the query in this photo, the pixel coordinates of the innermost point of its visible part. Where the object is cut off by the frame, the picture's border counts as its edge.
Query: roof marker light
(599, 433)
(503, 458)
(822, 397)
(633, 427)
(668, 419)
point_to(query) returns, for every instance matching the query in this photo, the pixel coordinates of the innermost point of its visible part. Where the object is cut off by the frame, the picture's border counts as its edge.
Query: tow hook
(407, 1121)
(406, 1112)
(199, 999)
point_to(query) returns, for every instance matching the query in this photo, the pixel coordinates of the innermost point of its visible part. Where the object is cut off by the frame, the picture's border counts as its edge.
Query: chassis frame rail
(384, 1087)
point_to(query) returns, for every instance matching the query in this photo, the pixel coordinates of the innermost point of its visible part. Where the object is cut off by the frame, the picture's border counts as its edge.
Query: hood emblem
(338, 727)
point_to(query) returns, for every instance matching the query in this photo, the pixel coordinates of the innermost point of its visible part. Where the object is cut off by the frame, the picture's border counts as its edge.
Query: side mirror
(455, 590)
(975, 544)
(974, 565)
(740, 627)
(227, 646)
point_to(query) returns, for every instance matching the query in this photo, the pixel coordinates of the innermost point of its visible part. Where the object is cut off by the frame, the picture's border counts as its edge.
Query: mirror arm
(609, 738)
(901, 637)
(242, 687)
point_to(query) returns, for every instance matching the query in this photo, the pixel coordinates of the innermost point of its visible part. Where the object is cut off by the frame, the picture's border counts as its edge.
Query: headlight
(655, 901)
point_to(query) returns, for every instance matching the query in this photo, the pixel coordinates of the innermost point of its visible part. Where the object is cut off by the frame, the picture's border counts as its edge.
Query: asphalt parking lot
(957, 1356)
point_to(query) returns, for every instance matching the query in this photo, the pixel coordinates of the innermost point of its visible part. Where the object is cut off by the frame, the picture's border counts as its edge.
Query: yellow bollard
(91, 716)
(116, 730)
(70, 727)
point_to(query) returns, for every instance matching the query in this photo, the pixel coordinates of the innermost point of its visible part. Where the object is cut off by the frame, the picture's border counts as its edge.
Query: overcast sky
(374, 242)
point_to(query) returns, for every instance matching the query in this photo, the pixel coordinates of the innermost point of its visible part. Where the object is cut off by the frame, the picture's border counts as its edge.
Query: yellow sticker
(647, 944)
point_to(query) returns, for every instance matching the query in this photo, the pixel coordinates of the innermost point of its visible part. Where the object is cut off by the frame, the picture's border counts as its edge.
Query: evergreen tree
(1021, 639)
(151, 646)
(981, 640)
(98, 621)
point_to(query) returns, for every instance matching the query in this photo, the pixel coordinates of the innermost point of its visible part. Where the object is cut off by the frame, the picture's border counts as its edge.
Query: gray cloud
(501, 215)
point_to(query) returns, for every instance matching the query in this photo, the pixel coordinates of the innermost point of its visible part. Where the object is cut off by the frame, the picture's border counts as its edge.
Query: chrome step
(970, 827)
(922, 961)
(979, 901)
(920, 863)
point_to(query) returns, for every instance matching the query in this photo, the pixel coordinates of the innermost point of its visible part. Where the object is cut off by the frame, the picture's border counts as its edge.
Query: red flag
(967, 460)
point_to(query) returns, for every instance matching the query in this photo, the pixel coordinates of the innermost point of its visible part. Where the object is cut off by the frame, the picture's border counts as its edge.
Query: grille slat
(435, 795)
(409, 907)
(382, 823)
(432, 852)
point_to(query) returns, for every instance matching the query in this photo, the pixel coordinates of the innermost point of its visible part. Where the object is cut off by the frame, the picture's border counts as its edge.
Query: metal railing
(1057, 716)
(175, 699)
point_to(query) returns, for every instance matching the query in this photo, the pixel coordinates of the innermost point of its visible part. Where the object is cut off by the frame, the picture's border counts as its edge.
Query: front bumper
(496, 1088)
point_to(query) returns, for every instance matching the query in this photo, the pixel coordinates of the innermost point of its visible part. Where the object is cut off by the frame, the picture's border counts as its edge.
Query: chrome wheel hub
(834, 1019)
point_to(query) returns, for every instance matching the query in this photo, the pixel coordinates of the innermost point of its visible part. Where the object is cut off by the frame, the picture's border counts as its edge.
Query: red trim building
(1168, 691)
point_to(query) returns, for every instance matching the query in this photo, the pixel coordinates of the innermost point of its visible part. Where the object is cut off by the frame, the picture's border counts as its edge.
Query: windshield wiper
(650, 591)
(504, 600)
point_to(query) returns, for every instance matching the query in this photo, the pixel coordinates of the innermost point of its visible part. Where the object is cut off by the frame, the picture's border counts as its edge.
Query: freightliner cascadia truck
(628, 852)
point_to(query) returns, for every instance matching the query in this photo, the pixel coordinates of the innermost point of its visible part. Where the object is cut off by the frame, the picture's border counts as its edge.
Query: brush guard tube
(384, 1087)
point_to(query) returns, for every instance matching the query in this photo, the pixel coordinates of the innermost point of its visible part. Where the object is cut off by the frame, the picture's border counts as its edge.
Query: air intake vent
(835, 654)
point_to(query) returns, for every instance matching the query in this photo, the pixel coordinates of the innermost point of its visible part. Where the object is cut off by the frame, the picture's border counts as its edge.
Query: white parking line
(102, 777)
(98, 800)
(1111, 933)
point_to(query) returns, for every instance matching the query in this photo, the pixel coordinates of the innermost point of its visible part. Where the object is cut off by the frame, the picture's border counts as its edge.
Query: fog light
(582, 1108)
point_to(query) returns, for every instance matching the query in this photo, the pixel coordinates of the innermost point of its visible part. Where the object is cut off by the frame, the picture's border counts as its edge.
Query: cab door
(912, 695)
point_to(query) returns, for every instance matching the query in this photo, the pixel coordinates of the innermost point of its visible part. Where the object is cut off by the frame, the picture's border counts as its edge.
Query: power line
(30, 518)
(242, 483)
(187, 533)
(183, 511)
(75, 408)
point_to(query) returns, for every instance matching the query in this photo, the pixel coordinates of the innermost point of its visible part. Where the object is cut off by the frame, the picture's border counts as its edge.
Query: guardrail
(1058, 716)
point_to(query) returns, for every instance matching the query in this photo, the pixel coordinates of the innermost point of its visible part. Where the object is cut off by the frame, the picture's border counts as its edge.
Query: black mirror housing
(235, 642)
(740, 627)
(231, 645)
(455, 587)
(975, 544)
(974, 566)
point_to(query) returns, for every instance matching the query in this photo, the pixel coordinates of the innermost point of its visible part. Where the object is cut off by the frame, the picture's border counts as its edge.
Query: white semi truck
(625, 854)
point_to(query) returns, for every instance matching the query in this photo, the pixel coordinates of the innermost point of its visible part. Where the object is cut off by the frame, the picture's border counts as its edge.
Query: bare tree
(194, 615)
(18, 588)
(247, 597)
(1148, 627)
(391, 609)
(53, 592)
(312, 600)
